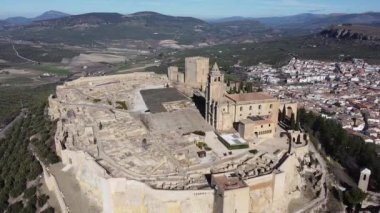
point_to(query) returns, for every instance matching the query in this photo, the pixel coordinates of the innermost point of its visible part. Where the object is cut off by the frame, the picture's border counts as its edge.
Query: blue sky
(196, 8)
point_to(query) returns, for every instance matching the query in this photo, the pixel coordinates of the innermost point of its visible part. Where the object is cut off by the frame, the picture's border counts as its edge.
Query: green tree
(30, 192)
(16, 207)
(349, 150)
(354, 196)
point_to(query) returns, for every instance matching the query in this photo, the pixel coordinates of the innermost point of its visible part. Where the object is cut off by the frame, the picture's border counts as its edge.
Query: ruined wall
(236, 200)
(181, 77)
(173, 73)
(134, 196)
(122, 195)
(260, 193)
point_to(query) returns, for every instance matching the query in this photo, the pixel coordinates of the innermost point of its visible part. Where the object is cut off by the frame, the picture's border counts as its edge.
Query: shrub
(354, 196)
(121, 105)
(253, 151)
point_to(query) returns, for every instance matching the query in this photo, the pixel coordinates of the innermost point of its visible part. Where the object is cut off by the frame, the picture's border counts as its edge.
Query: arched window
(270, 106)
(259, 106)
(241, 108)
(364, 177)
(250, 107)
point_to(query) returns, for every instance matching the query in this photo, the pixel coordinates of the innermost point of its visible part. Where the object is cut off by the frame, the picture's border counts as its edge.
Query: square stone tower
(196, 71)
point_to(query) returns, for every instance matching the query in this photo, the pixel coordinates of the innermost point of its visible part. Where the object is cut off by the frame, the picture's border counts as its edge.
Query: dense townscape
(348, 92)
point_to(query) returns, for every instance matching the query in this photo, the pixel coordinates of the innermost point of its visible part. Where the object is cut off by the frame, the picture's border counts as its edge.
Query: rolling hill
(22, 21)
(102, 27)
(307, 23)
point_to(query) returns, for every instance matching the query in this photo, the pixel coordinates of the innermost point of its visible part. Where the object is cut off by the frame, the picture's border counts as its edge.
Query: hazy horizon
(195, 8)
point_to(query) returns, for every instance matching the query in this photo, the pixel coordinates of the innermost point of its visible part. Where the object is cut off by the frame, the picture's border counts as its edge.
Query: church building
(253, 115)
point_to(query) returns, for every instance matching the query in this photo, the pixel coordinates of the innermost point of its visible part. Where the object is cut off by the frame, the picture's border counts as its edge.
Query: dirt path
(22, 57)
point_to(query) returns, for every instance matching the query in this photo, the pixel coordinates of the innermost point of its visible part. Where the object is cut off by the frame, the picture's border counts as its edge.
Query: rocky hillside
(353, 32)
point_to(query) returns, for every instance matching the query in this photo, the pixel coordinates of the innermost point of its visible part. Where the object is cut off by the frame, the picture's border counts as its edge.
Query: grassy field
(19, 80)
(51, 69)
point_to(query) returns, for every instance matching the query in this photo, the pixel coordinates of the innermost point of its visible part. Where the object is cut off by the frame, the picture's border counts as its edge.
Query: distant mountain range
(19, 21)
(54, 26)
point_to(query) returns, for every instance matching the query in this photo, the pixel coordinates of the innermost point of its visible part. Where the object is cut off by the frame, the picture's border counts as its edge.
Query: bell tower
(214, 94)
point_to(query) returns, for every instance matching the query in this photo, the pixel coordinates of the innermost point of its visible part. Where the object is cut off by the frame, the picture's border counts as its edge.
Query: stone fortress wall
(52, 185)
(270, 192)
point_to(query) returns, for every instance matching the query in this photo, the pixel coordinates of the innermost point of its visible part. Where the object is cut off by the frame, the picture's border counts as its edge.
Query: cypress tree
(283, 114)
(293, 124)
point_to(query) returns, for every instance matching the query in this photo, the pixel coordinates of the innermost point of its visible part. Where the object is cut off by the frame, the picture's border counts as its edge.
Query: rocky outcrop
(353, 32)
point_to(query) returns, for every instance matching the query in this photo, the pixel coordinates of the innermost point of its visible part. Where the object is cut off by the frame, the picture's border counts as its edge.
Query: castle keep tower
(214, 95)
(196, 71)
